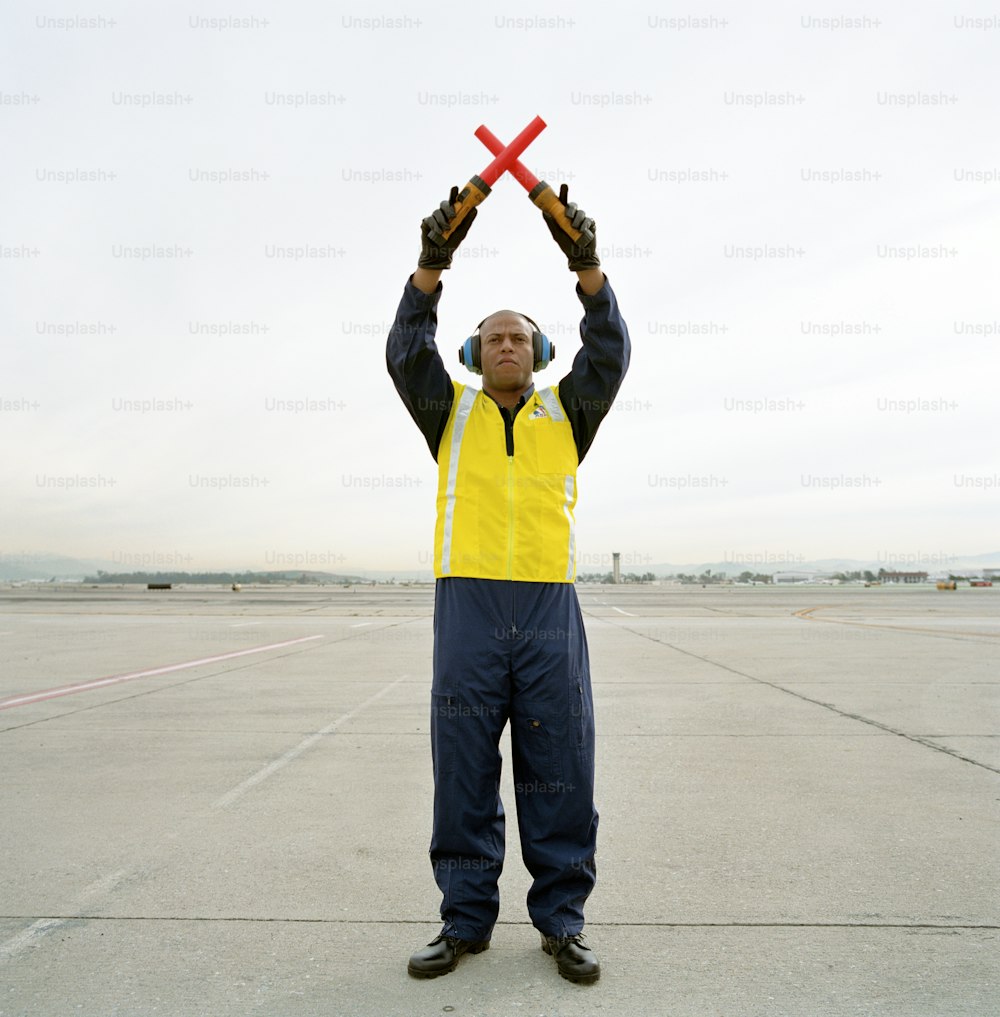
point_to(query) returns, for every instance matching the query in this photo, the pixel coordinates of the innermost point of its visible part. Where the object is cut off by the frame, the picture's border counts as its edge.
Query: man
(509, 642)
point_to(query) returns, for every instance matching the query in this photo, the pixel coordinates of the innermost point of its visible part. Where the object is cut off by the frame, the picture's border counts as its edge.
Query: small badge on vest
(538, 411)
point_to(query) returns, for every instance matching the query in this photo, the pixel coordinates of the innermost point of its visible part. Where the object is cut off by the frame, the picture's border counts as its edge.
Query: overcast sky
(210, 214)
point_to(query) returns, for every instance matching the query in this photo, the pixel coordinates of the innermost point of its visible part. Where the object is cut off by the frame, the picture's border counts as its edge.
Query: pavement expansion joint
(505, 923)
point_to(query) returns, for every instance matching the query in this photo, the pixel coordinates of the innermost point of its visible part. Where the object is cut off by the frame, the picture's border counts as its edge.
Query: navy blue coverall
(508, 650)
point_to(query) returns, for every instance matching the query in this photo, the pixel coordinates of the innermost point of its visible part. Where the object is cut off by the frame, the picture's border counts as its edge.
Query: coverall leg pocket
(538, 743)
(445, 714)
(582, 717)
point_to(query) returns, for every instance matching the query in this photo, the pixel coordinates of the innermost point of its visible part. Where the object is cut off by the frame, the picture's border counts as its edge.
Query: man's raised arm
(411, 355)
(588, 391)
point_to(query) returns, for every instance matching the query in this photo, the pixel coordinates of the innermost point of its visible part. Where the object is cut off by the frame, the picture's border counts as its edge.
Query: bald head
(494, 320)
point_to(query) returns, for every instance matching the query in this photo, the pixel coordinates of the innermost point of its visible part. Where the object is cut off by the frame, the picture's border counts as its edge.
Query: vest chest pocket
(547, 447)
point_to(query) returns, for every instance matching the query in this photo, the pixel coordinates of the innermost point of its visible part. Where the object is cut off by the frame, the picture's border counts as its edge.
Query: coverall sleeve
(415, 365)
(588, 391)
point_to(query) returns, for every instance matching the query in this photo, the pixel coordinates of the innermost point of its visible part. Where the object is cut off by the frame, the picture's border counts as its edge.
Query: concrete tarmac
(219, 804)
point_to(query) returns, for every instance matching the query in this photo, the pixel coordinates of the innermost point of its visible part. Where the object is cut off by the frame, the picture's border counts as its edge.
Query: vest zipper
(510, 517)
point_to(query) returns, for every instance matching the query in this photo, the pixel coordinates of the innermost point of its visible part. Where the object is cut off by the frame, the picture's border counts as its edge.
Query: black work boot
(441, 955)
(576, 961)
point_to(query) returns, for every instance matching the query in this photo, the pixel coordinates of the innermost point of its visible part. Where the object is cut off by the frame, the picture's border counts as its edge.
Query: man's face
(506, 352)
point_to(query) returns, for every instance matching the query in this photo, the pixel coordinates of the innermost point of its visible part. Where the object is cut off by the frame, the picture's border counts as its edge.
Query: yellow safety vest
(500, 516)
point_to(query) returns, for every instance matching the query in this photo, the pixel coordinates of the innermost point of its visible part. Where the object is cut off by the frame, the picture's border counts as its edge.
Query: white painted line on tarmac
(629, 613)
(282, 761)
(13, 946)
(360, 625)
(97, 683)
(243, 625)
(24, 939)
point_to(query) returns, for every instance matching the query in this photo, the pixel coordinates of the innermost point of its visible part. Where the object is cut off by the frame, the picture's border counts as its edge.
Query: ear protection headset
(470, 352)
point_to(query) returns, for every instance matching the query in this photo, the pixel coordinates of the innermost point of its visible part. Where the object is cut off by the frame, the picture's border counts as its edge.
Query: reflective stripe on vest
(500, 516)
(461, 418)
(568, 512)
(551, 404)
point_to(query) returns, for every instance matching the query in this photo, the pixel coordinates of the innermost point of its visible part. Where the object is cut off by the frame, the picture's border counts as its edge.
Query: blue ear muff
(470, 352)
(545, 352)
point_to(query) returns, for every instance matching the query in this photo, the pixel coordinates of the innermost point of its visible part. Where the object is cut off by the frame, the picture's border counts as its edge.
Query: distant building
(797, 576)
(903, 577)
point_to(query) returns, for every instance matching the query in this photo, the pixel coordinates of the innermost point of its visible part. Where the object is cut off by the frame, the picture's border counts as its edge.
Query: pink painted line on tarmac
(97, 683)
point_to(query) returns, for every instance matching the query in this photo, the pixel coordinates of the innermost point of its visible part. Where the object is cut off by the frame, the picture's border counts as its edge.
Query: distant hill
(28, 565)
(45, 567)
(214, 578)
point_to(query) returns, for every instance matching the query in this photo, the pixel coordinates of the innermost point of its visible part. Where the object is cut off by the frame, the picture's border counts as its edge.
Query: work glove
(581, 253)
(436, 257)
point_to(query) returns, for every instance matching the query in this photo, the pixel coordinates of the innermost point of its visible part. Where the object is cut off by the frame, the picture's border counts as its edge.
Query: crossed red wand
(508, 159)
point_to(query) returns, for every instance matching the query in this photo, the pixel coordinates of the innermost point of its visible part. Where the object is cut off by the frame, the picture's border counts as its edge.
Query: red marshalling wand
(476, 190)
(540, 193)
